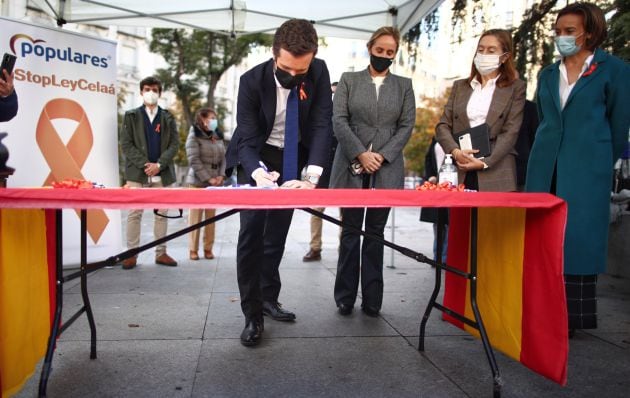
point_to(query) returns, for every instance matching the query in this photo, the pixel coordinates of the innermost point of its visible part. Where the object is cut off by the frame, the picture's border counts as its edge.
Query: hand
(213, 181)
(219, 181)
(297, 184)
(471, 164)
(371, 161)
(151, 169)
(6, 84)
(264, 179)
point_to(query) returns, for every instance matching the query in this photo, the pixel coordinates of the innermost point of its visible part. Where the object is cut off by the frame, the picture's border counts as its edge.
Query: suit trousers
(195, 216)
(261, 241)
(364, 261)
(316, 231)
(135, 217)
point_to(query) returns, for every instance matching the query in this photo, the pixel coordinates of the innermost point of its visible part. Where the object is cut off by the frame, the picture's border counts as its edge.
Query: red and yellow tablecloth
(521, 290)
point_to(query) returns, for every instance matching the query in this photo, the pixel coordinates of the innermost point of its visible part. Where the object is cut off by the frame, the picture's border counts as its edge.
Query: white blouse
(565, 87)
(479, 102)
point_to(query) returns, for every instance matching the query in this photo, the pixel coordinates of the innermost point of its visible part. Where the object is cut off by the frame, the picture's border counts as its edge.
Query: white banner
(66, 126)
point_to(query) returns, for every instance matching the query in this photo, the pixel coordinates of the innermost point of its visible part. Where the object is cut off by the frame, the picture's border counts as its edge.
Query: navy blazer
(8, 107)
(256, 111)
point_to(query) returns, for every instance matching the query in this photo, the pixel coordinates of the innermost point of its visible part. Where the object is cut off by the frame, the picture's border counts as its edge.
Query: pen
(260, 162)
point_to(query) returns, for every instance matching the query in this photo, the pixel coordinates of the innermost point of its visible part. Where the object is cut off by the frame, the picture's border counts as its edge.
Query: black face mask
(379, 63)
(287, 80)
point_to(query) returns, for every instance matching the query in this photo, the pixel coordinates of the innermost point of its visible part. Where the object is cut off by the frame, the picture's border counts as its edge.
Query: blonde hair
(384, 31)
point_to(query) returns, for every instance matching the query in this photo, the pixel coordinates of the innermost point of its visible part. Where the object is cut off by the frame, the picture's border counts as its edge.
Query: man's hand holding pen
(264, 178)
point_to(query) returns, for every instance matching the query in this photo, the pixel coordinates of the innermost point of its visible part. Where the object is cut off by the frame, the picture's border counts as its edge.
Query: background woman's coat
(581, 143)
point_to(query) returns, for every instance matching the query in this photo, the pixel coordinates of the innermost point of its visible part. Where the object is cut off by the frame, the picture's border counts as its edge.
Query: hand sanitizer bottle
(448, 171)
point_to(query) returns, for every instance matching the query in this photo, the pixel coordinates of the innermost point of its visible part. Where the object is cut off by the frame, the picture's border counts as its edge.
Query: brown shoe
(208, 254)
(165, 259)
(129, 263)
(194, 255)
(312, 255)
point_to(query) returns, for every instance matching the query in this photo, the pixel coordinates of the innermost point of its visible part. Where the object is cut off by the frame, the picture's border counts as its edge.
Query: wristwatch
(312, 178)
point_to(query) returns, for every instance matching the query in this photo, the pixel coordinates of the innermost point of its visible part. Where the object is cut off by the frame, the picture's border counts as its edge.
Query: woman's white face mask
(487, 63)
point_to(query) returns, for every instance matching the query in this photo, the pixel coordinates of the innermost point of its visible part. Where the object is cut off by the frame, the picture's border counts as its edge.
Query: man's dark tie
(290, 155)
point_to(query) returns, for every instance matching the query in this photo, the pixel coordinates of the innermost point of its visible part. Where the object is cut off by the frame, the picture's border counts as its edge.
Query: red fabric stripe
(51, 250)
(544, 343)
(457, 257)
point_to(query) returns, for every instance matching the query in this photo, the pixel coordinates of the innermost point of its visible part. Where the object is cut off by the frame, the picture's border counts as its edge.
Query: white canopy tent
(332, 18)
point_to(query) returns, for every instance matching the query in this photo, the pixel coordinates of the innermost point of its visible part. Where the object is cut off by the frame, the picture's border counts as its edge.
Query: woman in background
(374, 112)
(492, 94)
(206, 156)
(583, 105)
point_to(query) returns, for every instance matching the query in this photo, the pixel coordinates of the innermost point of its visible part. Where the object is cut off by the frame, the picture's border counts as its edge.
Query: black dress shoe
(370, 311)
(276, 312)
(252, 334)
(344, 309)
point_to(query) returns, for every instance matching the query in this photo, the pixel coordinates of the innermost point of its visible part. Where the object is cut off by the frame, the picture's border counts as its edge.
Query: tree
(427, 117)
(196, 61)
(619, 30)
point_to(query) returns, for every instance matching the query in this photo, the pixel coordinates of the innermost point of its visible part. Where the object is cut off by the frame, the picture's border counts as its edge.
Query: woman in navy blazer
(584, 120)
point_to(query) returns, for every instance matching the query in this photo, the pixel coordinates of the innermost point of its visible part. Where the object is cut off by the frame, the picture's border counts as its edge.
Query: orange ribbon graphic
(66, 161)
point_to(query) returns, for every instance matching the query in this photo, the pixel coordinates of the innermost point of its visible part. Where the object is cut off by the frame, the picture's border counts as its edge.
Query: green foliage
(196, 61)
(619, 30)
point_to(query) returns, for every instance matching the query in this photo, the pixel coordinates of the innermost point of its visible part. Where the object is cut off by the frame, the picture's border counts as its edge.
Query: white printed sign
(66, 126)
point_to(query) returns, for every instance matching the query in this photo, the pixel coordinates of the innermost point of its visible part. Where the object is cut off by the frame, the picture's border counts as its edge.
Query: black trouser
(261, 242)
(364, 261)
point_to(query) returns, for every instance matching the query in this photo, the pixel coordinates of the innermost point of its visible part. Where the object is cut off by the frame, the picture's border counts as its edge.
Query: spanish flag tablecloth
(521, 290)
(520, 285)
(27, 292)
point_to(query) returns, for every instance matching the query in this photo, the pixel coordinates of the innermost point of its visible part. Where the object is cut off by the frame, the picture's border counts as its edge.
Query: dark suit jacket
(525, 140)
(256, 109)
(8, 107)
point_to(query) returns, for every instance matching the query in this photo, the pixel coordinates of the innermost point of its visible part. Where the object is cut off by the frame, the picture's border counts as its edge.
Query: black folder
(477, 137)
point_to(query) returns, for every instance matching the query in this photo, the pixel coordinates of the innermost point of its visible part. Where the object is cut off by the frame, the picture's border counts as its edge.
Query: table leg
(54, 332)
(84, 292)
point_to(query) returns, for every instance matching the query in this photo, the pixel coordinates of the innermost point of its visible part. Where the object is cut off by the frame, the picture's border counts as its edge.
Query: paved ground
(173, 332)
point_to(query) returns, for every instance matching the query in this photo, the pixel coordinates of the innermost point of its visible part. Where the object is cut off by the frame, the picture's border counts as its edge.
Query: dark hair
(151, 81)
(593, 20)
(334, 84)
(202, 114)
(507, 70)
(297, 36)
(384, 31)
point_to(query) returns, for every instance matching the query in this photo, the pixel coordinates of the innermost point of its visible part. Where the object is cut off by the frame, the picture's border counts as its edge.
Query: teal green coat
(133, 144)
(582, 142)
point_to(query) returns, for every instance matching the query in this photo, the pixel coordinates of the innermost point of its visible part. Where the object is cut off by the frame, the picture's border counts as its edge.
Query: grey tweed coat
(360, 120)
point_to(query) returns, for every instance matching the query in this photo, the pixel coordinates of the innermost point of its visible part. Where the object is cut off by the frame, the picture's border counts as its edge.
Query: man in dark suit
(271, 144)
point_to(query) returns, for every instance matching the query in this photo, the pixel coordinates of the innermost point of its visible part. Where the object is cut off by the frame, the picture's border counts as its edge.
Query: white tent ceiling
(332, 18)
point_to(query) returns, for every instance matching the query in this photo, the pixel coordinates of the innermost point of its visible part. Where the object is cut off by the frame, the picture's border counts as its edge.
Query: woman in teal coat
(583, 104)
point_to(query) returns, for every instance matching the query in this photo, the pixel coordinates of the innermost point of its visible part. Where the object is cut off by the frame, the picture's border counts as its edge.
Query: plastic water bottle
(448, 171)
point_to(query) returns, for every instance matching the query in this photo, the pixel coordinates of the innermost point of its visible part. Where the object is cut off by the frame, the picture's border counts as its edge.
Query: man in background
(149, 142)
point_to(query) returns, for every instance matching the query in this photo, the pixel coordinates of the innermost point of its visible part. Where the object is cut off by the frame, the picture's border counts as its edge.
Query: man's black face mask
(287, 80)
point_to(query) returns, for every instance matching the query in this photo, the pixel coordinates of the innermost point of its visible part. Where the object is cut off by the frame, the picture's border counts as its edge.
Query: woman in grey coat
(374, 113)
(206, 156)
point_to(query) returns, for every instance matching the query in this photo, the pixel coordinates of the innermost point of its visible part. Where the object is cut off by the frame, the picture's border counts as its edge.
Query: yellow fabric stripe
(500, 246)
(24, 300)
